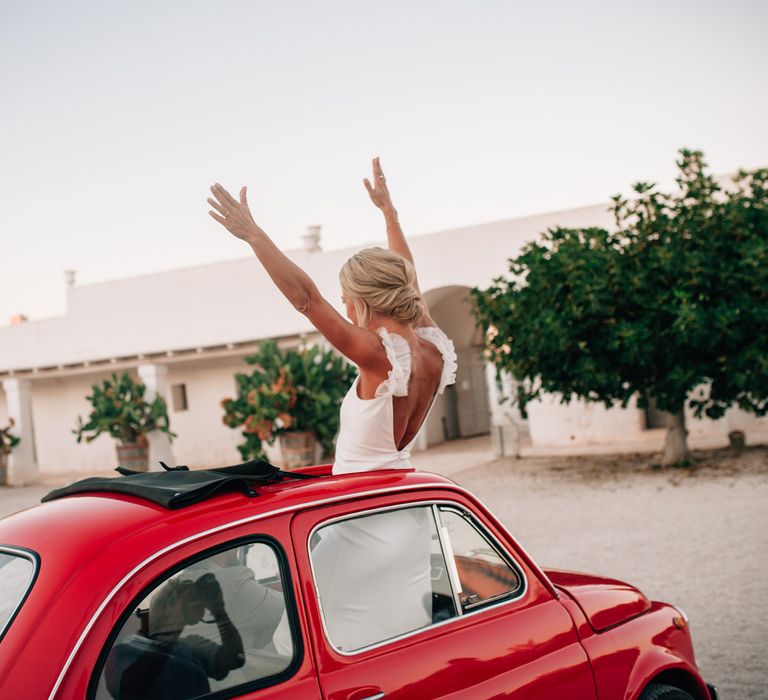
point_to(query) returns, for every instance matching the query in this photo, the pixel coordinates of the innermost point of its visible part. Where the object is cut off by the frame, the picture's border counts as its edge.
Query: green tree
(671, 305)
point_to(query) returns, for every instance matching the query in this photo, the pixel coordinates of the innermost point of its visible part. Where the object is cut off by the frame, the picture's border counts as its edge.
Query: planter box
(298, 449)
(133, 456)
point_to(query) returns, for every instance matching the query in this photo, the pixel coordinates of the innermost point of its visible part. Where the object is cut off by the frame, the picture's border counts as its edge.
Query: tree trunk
(676, 442)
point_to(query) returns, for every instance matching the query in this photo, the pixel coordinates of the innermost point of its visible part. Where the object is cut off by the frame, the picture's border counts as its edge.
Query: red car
(388, 584)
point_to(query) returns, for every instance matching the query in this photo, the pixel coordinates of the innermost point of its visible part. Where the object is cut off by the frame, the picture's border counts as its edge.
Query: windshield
(17, 570)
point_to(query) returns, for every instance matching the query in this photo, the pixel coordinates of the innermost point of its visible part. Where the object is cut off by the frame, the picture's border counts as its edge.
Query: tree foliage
(674, 298)
(120, 409)
(7, 439)
(288, 390)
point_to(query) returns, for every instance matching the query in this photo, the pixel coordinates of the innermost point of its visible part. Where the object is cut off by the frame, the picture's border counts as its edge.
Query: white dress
(366, 439)
(373, 573)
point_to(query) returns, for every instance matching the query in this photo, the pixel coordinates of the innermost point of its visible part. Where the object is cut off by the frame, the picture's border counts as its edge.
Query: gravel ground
(695, 537)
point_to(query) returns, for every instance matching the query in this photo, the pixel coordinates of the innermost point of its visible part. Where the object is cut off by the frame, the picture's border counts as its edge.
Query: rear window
(17, 571)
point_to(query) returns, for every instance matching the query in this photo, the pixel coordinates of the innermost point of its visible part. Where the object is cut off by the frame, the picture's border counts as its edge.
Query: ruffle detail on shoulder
(445, 345)
(399, 356)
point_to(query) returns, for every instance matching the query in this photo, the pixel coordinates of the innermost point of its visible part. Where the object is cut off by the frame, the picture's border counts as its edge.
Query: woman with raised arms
(404, 359)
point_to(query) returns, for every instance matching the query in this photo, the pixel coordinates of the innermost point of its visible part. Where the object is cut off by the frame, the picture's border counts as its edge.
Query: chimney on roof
(18, 319)
(69, 278)
(311, 239)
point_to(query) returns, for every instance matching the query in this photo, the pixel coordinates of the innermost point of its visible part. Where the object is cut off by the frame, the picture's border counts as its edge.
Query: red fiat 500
(389, 584)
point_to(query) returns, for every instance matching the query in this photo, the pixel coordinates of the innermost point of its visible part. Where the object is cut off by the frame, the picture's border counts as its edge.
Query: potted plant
(120, 409)
(293, 395)
(7, 443)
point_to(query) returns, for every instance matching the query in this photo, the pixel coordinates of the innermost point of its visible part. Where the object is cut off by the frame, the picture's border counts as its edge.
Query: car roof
(79, 526)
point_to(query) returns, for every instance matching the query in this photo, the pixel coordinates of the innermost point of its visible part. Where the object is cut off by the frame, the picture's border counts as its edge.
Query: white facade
(193, 327)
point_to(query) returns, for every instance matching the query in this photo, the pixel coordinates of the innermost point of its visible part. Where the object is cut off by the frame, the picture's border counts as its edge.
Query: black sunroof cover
(178, 487)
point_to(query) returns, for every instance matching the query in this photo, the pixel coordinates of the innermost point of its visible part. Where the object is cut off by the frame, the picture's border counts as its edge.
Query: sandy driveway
(697, 538)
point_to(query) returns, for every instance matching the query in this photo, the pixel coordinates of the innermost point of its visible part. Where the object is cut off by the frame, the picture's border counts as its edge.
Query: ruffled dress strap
(445, 345)
(399, 356)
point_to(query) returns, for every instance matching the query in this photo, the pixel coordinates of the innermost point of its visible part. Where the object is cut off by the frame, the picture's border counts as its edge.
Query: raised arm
(379, 193)
(358, 344)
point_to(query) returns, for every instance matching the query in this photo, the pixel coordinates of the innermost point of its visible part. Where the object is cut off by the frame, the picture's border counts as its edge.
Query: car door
(423, 599)
(216, 617)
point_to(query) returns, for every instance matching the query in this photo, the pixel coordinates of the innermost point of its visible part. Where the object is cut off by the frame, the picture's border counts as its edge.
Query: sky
(115, 118)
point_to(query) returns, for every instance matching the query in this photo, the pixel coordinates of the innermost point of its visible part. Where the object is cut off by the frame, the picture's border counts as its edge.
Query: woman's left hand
(233, 215)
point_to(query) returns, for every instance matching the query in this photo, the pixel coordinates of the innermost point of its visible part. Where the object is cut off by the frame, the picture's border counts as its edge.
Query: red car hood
(605, 601)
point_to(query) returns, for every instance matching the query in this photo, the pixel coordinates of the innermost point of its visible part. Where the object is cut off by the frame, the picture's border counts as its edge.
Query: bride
(404, 362)
(404, 359)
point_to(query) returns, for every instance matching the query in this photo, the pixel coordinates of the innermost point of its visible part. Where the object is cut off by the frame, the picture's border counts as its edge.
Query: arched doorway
(463, 410)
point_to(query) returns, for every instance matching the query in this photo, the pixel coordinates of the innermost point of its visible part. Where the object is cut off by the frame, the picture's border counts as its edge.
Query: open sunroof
(178, 487)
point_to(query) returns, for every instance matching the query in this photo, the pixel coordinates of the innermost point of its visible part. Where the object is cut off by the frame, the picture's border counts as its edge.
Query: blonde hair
(382, 281)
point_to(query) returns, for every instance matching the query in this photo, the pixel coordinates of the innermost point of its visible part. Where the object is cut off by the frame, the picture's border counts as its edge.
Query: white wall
(756, 429)
(203, 440)
(56, 403)
(453, 313)
(578, 423)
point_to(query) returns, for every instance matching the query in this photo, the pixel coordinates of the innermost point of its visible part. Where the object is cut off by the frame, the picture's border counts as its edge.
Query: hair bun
(380, 280)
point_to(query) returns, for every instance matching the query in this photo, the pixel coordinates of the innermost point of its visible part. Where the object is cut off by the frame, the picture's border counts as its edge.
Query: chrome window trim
(29, 556)
(519, 594)
(500, 551)
(328, 500)
(450, 562)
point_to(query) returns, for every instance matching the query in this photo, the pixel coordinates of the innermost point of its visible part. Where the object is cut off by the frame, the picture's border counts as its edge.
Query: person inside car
(254, 608)
(159, 663)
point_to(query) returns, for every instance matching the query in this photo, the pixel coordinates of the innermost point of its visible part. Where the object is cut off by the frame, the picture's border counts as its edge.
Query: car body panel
(606, 602)
(627, 658)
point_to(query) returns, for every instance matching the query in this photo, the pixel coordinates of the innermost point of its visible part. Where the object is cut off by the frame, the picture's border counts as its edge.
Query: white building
(186, 332)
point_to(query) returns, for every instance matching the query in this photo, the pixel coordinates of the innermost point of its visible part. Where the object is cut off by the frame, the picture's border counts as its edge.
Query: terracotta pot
(3, 468)
(298, 448)
(737, 440)
(133, 456)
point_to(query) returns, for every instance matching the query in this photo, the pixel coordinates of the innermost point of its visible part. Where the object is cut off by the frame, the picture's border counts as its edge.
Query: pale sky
(116, 116)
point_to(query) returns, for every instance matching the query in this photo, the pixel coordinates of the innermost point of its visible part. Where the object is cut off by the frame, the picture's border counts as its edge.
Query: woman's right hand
(233, 215)
(378, 192)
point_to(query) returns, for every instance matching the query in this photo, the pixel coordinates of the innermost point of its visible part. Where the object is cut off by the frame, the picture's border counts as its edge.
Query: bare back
(409, 411)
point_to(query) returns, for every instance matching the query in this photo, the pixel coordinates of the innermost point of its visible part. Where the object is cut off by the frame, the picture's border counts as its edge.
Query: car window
(17, 571)
(481, 573)
(218, 623)
(379, 576)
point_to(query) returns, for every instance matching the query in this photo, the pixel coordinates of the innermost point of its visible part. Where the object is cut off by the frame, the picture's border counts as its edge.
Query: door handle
(378, 696)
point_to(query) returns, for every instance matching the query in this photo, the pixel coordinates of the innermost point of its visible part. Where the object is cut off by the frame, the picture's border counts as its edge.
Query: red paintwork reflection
(606, 602)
